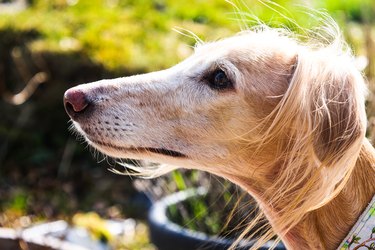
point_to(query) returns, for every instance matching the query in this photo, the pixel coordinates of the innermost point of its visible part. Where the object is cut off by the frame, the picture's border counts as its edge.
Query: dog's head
(282, 118)
(236, 107)
(194, 113)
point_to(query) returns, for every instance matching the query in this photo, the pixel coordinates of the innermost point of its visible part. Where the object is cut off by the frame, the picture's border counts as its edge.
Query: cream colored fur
(291, 132)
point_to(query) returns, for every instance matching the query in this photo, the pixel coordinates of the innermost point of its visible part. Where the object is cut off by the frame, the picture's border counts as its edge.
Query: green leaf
(179, 179)
(372, 211)
(356, 239)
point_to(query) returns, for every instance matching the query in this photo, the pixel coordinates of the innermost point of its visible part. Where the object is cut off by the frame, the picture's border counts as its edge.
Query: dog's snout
(75, 102)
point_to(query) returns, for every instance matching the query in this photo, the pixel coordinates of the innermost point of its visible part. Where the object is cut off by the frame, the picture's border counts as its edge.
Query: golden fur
(291, 132)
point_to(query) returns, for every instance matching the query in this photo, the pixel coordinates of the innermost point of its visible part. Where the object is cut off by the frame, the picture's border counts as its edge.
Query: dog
(282, 118)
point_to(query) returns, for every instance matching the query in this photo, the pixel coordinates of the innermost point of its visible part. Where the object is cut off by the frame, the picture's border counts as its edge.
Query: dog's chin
(139, 153)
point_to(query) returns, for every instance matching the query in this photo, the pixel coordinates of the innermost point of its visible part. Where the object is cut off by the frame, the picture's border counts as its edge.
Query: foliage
(137, 35)
(223, 211)
(119, 34)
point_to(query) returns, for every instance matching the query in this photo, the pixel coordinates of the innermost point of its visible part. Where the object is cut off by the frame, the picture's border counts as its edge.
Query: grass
(137, 35)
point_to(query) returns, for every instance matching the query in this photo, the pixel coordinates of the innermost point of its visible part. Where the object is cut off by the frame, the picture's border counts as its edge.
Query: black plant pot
(166, 235)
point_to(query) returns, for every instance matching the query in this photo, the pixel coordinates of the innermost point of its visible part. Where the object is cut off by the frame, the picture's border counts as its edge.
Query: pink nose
(75, 101)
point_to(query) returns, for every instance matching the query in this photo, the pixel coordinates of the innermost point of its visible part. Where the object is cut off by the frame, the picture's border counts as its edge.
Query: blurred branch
(32, 84)
(27, 91)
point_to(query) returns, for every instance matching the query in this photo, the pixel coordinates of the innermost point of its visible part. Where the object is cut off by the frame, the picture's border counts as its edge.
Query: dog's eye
(219, 80)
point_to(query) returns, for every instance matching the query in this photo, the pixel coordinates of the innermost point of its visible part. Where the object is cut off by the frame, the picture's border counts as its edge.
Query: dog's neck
(326, 227)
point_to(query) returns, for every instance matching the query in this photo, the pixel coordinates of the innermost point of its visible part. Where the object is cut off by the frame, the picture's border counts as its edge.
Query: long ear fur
(336, 107)
(335, 115)
(331, 116)
(319, 128)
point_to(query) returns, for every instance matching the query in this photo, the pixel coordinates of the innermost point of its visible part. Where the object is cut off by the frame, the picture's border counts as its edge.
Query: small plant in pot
(213, 215)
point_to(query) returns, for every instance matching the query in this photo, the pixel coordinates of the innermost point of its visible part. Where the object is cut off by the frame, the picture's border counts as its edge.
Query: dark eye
(219, 80)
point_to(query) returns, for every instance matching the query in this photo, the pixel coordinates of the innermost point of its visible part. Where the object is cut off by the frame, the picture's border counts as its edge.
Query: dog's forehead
(249, 41)
(239, 50)
(224, 46)
(213, 52)
(246, 46)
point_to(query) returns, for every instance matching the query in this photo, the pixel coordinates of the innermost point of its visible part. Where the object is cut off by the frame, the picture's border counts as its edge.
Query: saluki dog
(282, 117)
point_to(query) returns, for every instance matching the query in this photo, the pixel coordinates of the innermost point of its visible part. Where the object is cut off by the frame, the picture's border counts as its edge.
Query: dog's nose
(75, 102)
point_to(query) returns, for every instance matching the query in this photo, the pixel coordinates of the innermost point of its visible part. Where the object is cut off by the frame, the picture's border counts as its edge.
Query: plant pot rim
(160, 224)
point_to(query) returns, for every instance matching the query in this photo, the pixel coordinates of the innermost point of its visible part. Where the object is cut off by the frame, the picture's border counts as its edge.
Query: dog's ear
(333, 97)
(337, 115)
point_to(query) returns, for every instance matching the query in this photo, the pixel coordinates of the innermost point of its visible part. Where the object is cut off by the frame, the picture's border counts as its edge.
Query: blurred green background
(49, 46)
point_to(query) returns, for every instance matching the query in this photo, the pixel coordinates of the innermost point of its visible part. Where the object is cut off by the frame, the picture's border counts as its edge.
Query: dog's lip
(162, 151)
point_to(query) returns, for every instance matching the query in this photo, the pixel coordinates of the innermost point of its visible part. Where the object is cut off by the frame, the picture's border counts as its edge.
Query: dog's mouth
(161, 151)
(166, 152)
